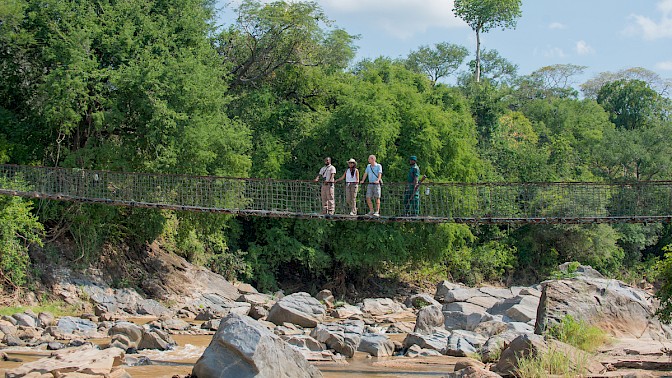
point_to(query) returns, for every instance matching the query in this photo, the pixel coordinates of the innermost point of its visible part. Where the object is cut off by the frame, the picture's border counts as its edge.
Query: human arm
(341, 178)
(364, 178)
(356, 175)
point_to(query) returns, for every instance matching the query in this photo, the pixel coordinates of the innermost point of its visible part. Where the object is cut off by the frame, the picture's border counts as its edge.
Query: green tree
(438, 62)
(483, 15)
(269, 37)
(632, 104)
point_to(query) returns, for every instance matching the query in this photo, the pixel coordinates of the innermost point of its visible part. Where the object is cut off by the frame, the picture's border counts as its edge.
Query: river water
(190, 347)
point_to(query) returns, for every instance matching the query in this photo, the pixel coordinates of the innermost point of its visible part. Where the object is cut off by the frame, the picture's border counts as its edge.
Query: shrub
(551, 362)
(578, 333)
(18, 229)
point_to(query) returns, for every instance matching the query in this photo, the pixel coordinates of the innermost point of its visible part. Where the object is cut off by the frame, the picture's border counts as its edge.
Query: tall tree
(437, 62)
(483, 15)
(632, 104)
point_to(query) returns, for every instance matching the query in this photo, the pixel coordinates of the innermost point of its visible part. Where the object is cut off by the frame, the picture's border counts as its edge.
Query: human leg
(331, 202)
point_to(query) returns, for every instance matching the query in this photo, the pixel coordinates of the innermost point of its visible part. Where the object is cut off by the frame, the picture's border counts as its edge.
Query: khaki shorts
(373, 191)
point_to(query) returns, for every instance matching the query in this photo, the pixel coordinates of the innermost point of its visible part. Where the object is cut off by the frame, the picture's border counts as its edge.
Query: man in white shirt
(328, 172)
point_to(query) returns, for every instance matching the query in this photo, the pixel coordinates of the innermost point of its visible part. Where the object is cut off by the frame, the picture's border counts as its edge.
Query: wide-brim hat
(352, 161)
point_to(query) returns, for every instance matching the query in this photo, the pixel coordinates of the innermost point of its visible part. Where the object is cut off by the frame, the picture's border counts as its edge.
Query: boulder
(156, 339)
(326, 297)
(151, 307)
(442, 289)
(622, 310)
(212, 324)
(420, 301)
(346, 311)
(243, 348)
(79, 326)
(45, 319)
(84, 360)
(381, 306)
(492, 349)
(417, 351)
(522, 313)
(304, 342)
(343, 337)
(497, 292)
(246, 288)
(429, 317)
(25, 320)
(132, 334)
(582, 270)
(299, 308)
(505, 304)
(174, 324)
(437, 341)
(461, 294)
(483, 301)
(491, 328)
(376, 345)
(458, 346)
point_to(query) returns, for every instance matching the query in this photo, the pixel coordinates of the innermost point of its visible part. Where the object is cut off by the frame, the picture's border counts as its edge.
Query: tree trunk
(477, 74)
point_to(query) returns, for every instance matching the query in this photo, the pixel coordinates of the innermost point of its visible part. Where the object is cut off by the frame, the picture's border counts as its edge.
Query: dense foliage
(153, 86)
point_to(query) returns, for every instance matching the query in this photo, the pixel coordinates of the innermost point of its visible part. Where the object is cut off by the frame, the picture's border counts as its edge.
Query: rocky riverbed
(214, 328)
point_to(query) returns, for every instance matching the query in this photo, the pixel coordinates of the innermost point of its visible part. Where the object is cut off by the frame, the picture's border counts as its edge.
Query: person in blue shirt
(412, 192)
(374, 172)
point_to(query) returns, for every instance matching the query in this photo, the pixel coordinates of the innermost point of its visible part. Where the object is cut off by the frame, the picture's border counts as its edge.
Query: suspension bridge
(473, 203)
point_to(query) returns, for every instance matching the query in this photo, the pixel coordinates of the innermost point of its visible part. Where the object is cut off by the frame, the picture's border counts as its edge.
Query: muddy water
(190, 347)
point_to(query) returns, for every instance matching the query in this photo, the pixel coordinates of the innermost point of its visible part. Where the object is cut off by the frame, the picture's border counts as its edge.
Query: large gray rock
(151, 307)
(73, 325)
(376, 345)
(473, 372)
(622, 310)
(428, 319)
(25, 320)
(132, 335)
(85, 361)
(343, 337)
(45, 319)
(298, 308)
(381, 306)
(156, 339)
(244, 348)
(492, 348)
(461, 294)
(437, 341)
(420, 301)
(458, 346)
(498, 292)
(442, 289)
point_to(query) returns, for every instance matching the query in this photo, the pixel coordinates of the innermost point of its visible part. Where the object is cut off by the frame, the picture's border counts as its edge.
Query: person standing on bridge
(374, 172)
(327, 190)
(412, 192)
(351, 177)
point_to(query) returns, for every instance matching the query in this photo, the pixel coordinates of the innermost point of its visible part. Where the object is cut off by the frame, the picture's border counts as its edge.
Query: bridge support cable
(471, 203)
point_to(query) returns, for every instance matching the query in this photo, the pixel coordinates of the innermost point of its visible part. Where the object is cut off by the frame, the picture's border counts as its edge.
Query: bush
(578, 333)
(551, 362)
(18, 229)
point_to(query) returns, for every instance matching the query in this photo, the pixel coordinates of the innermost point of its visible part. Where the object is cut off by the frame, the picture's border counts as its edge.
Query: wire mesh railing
(561, 202)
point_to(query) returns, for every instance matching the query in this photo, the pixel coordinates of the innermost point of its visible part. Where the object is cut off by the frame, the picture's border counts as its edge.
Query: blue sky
(604, 35)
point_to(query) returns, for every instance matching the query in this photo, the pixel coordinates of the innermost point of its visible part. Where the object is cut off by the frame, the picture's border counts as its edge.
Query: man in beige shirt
(328, 172)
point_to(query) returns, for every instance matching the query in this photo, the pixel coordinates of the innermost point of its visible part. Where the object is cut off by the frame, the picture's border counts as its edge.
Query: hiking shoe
(376, 214)
(353, 213)
(370, 213)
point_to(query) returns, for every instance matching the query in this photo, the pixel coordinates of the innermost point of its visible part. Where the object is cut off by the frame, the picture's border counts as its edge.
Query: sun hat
(352, 161)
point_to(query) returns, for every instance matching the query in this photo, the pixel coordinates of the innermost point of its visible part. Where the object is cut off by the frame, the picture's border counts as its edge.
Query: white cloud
(649, 28)
(557, 26)
(554, 52)
(399, 18)
(664, 66)
(583, 48)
